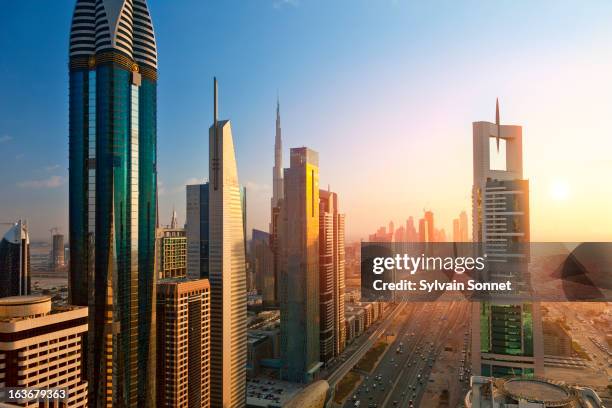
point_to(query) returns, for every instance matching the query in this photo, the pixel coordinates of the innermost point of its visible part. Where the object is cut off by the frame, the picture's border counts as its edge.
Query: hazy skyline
(385, 91)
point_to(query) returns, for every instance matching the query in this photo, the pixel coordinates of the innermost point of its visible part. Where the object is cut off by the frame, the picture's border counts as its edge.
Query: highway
(400, 378)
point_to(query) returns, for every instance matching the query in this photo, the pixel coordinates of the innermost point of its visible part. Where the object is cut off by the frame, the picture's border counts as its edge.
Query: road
(401, 378)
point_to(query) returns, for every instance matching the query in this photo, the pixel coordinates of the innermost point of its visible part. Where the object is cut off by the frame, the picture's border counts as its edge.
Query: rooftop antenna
(215, 159)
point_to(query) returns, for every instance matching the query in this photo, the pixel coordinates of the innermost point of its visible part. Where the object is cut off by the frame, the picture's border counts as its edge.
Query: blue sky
(385, 90)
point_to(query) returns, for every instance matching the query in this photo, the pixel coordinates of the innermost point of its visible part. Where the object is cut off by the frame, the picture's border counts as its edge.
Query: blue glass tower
(112, 204)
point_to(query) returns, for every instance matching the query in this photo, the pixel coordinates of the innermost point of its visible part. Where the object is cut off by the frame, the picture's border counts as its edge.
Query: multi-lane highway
(403, 372)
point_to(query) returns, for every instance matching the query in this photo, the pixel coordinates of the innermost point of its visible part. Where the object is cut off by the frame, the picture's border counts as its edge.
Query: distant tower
(15, 261)
(173, 221)
(299, 286)
(227, 272)
(506, 338)
(277, 170)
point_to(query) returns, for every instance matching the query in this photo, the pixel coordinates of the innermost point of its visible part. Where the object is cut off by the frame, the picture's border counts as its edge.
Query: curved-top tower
(113, 177)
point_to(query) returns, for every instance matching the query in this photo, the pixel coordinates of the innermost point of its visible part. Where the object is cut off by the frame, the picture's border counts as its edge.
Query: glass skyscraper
(112, 204)
(15, 261)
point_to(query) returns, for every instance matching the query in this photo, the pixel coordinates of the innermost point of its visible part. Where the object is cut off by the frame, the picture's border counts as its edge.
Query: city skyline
(407, 134)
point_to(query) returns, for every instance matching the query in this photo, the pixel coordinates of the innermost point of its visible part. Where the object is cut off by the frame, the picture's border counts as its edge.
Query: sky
(385, 90)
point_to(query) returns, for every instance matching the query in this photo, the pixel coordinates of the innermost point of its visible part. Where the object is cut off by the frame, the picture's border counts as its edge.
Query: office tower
(262, 264)
(113, 189)
(391, 229)
(463, 227)
(227, 270)
(299, 277)
(197, 230)
(277, 197)
(42, 347)
(277, 175)
(15, 261)
(506, 338)
(331, 276)
(172, 252)
(456, 230)
(411, 232)
(183, 343)
(57, 251)
(400, 234)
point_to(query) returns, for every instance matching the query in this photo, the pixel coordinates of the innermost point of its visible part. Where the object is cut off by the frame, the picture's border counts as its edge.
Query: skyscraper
(197, 230)
(331, 276)
(262, 264)
(183, 343)
(277, 170)
(113, 189)
(277, 197)
(463, 227)
(506, 338)
(227, 272)
(171, 253)
(57, 251)
(299, 275)
(15, 261)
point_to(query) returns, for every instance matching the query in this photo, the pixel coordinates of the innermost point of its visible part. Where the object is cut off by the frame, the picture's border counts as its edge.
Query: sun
(559, 190)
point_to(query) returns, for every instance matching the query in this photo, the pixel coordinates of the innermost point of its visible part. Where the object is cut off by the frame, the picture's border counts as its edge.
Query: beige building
(227, 271)
(172, 244)
(183, 343)
(42, 347)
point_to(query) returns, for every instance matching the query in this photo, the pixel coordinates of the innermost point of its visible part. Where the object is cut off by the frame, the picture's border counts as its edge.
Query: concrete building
(528, 392)
(197, 230)
(183, 343)
(42, 347)
(57, 251)
(172, 253)
(299, 277)
(15, 261)
(113, 194)
(227, 269)
(331, 276)
(268, 393)
(506, 338)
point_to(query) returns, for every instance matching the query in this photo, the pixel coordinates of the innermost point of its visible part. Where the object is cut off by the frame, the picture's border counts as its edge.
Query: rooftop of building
(264, 392)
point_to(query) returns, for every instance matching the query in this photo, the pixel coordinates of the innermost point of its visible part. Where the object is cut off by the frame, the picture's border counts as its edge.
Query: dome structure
(122, 25)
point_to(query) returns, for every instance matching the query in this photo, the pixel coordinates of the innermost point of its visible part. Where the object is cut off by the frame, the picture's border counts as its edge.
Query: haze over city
(385, 91)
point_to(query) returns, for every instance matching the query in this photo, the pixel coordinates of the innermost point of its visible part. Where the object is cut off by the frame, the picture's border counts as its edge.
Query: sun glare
(559, 190)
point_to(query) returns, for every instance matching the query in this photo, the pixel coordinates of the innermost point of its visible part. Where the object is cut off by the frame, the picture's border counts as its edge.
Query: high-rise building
(277, 170)
(113, 189)
(262, 264)
(43, 347)
(411, 232)
(172, 252)
(197, 229)
(506, 338)
(456, 230)
(227, 272)
(463, 227)
(277, 198)
(15, 261)
(299, 276)
(183, 343)
(57, 251)
(331, 276)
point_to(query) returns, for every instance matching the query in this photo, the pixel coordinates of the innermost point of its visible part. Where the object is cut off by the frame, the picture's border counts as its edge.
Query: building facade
(262, 265)
(506, 338)
(299, 275)
(197, 230)
(15, 261)
(57, 251)
(172, 252)
(183, 343)
(42, 347)
(113, 190)
(227, 270)
(331, 276)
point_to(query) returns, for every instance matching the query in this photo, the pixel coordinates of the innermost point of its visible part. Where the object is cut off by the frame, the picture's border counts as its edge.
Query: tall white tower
(227, 273)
